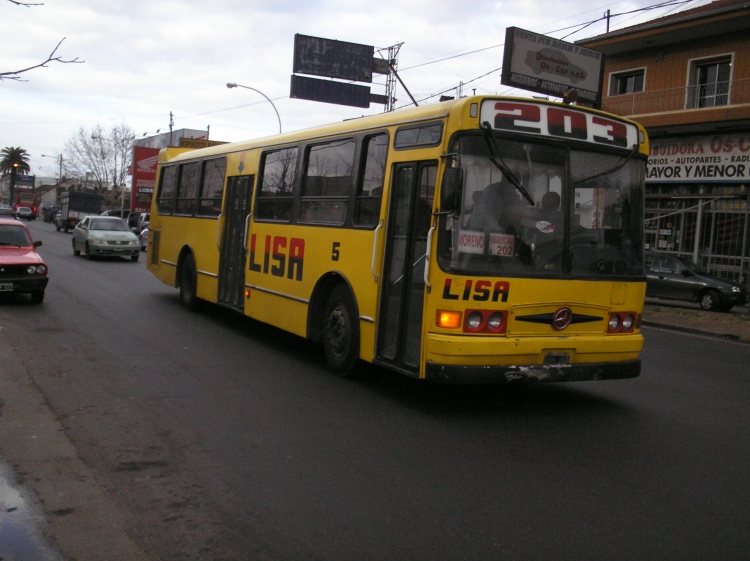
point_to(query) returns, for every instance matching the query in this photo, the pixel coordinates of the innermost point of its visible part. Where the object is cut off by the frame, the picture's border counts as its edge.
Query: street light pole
(231, 85)
(59, 179)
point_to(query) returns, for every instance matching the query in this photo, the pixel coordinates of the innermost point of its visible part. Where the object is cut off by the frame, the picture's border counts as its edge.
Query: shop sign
(701, 159)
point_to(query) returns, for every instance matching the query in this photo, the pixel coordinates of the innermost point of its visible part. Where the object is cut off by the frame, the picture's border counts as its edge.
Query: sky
(144, 59)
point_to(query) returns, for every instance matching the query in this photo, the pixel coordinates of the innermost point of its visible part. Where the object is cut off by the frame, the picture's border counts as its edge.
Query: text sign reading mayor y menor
(703, 159)
(546, 65)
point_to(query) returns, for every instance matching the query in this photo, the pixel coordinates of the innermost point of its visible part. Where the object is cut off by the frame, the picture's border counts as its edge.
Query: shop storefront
(697, 201)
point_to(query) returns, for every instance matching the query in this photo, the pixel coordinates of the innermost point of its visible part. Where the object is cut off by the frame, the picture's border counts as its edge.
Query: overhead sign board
(328, 91)
(549, 66)
(333, 59)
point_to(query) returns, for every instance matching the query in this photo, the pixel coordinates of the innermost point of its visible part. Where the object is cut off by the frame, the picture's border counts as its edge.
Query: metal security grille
(708, 224)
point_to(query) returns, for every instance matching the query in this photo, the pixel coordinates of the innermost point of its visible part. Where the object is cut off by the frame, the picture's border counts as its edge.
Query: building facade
(686, 78)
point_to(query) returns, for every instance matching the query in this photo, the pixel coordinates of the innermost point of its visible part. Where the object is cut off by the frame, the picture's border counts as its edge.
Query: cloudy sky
(145, 59)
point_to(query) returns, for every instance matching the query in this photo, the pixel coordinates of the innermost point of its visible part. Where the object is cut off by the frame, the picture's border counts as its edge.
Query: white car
(143, 238)
(105, 236)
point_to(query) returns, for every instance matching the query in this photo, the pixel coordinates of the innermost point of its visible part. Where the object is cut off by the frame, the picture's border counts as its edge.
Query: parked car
(143, 238)
(105, 236)
(21, 267)
(6, 211)
(25, 213)
(50, 213)
(678, 278)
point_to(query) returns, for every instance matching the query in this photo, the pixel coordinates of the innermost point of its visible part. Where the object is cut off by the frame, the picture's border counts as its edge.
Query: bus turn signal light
(448, 319)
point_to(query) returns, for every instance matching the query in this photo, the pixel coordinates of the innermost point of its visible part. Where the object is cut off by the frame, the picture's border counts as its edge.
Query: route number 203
(560, 122)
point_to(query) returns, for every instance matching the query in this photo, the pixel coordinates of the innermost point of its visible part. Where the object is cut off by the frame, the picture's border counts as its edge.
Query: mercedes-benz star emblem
(562, 318)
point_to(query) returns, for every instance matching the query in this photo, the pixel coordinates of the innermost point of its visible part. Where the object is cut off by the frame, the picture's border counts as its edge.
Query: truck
(26, 198)
(75, 205)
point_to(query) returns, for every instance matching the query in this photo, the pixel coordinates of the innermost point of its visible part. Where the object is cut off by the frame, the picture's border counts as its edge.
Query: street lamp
(231, 85)
(59, 179)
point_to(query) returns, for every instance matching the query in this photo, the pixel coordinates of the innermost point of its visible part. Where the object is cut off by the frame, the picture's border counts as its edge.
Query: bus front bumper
(500, 374)
(488, 360)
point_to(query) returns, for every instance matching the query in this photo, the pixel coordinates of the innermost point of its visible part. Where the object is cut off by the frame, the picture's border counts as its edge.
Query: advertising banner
(701, 159)
(546, 65)
(144, 175)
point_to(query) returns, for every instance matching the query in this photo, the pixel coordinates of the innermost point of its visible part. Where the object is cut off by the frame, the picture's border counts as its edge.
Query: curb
(725, 336)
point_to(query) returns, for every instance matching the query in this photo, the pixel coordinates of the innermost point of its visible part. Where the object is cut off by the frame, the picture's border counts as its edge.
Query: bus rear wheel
(188, 284)
(340, 332)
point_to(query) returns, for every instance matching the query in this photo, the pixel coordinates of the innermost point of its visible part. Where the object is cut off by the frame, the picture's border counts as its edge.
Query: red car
(21, 268)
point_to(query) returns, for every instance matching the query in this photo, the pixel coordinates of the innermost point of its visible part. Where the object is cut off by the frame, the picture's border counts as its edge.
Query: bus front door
(402, 291)
(233, 255)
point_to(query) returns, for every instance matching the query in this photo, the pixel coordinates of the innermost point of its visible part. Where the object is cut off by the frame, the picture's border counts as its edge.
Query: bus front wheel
(188, 284)
(340, 332)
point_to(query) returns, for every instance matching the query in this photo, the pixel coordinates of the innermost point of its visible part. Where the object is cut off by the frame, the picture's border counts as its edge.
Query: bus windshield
(498, 232)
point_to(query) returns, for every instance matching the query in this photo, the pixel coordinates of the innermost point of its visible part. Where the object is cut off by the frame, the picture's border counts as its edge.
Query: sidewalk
(683, 316)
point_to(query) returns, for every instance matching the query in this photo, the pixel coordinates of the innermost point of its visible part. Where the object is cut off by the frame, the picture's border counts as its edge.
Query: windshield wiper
(506, 171)
(617, 167)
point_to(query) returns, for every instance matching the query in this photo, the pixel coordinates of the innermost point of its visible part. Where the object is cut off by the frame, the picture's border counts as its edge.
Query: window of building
(628, 82)
(709, 82)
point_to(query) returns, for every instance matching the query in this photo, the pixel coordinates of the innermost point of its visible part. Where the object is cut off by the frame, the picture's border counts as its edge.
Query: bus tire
(340, 332)
(188, 283)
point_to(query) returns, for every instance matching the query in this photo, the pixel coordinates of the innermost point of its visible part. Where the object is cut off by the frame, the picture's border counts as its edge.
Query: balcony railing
(721, 94)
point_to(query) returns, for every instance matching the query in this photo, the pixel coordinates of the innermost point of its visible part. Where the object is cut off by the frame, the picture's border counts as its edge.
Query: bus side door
(399, 338)
(233, 255)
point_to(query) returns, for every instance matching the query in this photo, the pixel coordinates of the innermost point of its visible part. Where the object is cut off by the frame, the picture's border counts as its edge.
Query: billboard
(144, 176)
(332, 59)
(549, 66)
(329, 91)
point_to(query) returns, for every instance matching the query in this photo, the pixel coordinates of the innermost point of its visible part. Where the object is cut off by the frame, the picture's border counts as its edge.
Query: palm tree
(13, 160)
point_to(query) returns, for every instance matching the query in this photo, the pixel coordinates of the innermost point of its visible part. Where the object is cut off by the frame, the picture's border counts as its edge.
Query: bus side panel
(286, 263)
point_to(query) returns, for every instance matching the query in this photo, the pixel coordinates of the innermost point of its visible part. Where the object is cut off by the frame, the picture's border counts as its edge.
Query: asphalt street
(211, 436)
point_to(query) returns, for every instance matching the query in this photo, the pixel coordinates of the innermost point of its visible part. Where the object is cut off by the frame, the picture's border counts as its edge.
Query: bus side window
(212, 187)
(276, 194)
(167, 188)
(372, 177)
(187, 188)
(327, 183)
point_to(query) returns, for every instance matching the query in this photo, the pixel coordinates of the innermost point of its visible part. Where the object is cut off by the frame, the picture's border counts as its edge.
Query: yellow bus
(480, 240)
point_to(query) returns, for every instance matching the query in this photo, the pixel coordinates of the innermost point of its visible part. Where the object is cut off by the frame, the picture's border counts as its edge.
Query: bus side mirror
(451, 190)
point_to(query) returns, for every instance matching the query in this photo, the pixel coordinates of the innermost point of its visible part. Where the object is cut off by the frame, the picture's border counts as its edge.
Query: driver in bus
(493, 208)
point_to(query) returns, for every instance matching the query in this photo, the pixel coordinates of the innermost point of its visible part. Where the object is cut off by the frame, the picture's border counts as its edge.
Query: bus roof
(356, 125)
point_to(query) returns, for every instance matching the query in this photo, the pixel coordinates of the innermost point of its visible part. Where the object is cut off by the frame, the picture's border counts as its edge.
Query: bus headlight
(614, 323)
(474, 320)
(627, 322)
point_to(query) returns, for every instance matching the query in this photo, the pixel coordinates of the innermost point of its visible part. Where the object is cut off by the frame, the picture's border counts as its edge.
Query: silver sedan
(105, 236)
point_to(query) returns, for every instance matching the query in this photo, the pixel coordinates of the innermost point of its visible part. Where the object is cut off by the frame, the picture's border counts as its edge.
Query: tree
(13, 160)
(100, 159)
(53, 57)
